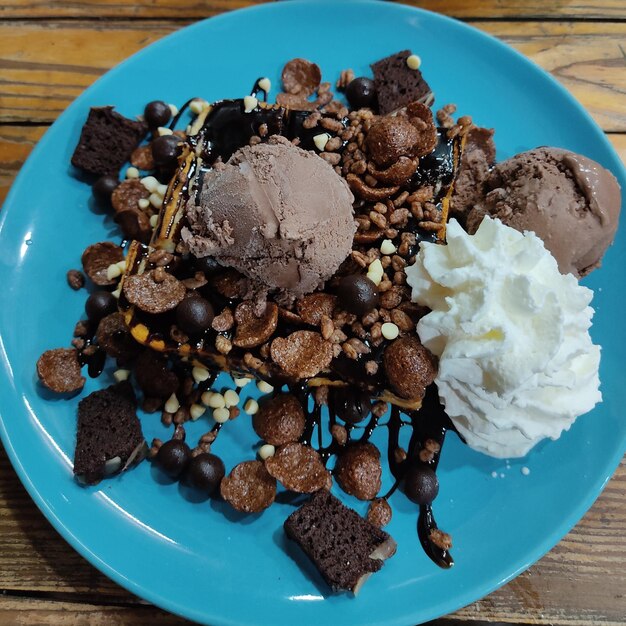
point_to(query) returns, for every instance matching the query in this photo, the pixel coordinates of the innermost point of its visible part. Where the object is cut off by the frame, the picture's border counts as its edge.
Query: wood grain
(587, 569)
(196, 9)
(43, 67)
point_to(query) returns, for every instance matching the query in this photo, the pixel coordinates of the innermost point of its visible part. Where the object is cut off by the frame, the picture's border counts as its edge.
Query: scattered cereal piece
(59, 370)
(151, 296)
(128, 194)
(301, 77)
(379, 512)
(409, 366)
(97, 258)
(75, 279)
(302, 354)
(358, 470)
(249, 488)
(299, 468)
(279, 420)
(253, 330)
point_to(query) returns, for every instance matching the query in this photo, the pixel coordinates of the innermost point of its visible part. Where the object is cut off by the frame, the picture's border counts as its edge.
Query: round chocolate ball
(194, 314)
(351, 405)
(361, 93)
(157, 113)
(165, 150)
(173, 457)
(421, 484)
(207, 264)
(100, 304)
(205, 472)
(357, 294)
(104, 187)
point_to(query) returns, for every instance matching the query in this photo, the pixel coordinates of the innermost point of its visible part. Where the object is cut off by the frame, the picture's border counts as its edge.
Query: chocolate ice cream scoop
(571, 202)
(278, 214)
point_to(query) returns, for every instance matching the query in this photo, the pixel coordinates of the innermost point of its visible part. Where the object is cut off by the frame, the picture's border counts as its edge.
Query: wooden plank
(584, 577)
(196, 9)
(43, 67)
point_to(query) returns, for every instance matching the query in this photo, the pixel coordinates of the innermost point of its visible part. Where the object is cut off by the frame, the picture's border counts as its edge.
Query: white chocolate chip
(249, 104)
(162, 130)
(150, 183)
(389, 330)
(414, 62)
(251, 407)
(156, 200)
(242, 382)
(200, 374)
(132, 172)
(116, 293)
(375, 271)
(264, 387)
(113, 271)
(173, 109)
(221, 415)
(265, 84)
(154, 220)
(172, 405)
(321, 140)
(231, 398)
(387, 247)
(197, 105)
(196, 411)
(216, 401)
(143, 203)
(206, 397)
(161, 190)
(121, 375)
(122, 265)
(266, 451)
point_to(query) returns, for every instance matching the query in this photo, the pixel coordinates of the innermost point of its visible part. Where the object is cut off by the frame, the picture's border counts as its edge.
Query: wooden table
(51, 51)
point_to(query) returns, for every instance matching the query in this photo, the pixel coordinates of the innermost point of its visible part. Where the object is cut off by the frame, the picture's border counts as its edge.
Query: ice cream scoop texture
(516, 361)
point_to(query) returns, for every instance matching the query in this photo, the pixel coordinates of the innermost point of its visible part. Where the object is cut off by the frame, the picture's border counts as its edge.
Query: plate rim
(460, 600)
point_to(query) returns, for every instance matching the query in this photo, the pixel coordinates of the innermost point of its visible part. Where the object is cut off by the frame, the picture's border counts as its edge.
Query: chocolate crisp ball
(205, 472)
(100, 304)
(207, 264)
(194, 315)
(421, 484)
(357, 294)
(173, 457)
(157, 113)
(361, 93)
(351, 405)
(165, 150)
(104, 187)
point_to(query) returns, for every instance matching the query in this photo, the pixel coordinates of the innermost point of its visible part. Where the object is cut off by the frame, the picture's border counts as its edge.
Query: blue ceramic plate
(190, 557)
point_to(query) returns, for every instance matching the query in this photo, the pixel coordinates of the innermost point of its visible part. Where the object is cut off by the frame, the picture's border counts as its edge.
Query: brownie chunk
(109, 436)
(344, 547)
(106, 142)
(397, 84)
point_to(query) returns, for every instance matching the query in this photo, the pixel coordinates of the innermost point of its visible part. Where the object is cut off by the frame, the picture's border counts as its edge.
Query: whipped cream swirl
(516, 362)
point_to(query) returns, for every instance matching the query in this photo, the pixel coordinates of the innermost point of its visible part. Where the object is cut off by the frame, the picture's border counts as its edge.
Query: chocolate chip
(194, 315)
(142, 158)
(208, 265)
(361, 93)
(165, 150)
(153, 377)
(205, 472)
(358, 470)
(298, 468)
(59, 370)
(409, 366)
(151, 296)
(100, 304)
(249, 488)
(314, 306)
(351, 405)
(279, 420)
(134, 224)
(105, 186)
(97, 258)
(75, 279)
(301, 77)
(157, 113)
(357, 294)
(115, 339)
(389, 138)
(302, 354)
(421, 484)
(173, 457)
(127, 195)
(379, 512)
(253, 330)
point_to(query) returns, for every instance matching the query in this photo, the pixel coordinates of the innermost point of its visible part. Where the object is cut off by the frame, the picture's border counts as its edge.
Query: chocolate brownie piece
(397, 84)
(109, 436)
(106, 142)
(344, 547)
